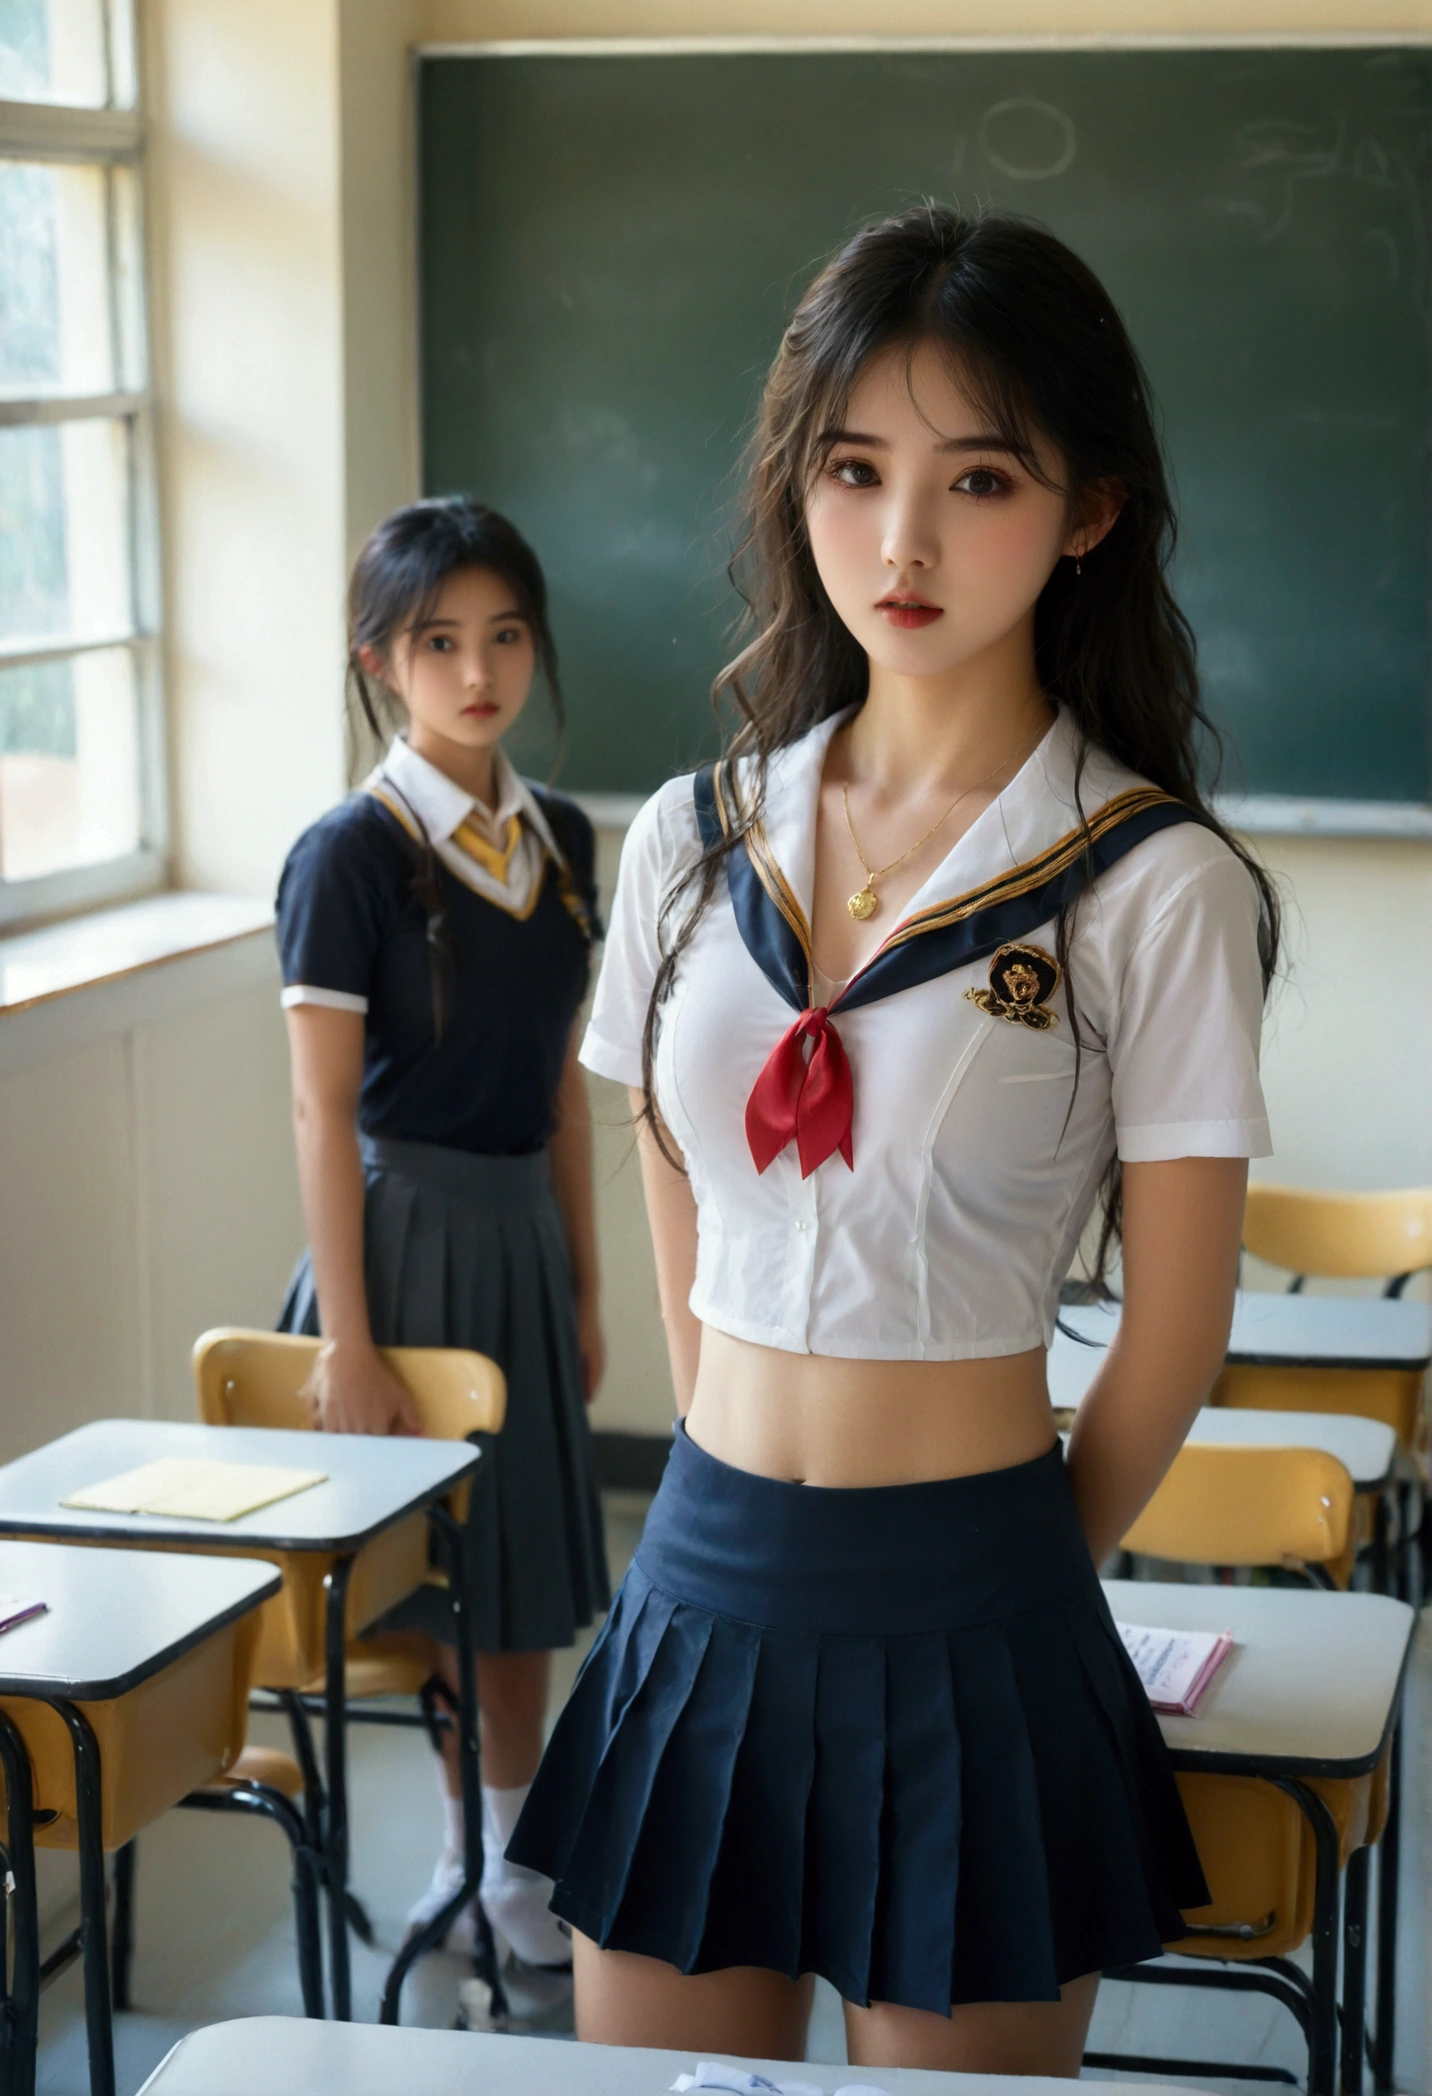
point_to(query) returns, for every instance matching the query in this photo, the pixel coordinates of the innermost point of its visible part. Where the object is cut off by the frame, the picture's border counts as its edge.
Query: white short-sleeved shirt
(976, 1156)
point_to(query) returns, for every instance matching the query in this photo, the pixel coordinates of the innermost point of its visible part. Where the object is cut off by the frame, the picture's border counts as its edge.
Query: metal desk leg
(336, 1818)
(1323, 2037)
(19, 2033)
(121, 1953)
(1385, 2026)
(450, 1537)
(89, 1814)
(1354, 2001)
(1382, 1545)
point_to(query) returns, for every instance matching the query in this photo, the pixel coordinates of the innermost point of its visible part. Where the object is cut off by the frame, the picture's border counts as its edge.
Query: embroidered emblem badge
(1022, 981)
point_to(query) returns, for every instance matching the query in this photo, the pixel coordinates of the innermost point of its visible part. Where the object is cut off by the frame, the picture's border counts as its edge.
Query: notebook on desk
(194, 1489)
(1175, 1666)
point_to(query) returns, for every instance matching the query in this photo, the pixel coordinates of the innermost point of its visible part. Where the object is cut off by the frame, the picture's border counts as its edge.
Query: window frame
(108, 137)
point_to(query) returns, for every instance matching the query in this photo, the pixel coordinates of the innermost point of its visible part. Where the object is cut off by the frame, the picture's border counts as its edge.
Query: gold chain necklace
(865, 902)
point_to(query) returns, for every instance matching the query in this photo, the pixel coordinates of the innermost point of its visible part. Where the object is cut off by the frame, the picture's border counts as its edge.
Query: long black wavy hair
(1040, 345)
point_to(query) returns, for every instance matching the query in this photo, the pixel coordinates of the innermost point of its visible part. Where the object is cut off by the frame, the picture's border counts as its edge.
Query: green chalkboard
(610, 246)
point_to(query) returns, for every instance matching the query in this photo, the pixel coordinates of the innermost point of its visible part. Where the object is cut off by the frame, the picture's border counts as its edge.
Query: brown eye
(854, 473)
(982, 480)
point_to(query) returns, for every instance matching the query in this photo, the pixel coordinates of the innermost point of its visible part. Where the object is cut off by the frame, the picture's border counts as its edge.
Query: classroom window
(81, 791)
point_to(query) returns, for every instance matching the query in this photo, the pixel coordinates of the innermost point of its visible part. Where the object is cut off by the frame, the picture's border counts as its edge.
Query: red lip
(480, 712)
(909, 611)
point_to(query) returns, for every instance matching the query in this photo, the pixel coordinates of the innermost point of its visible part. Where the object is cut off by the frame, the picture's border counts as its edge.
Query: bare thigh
(623, 1999)
(993, 2037)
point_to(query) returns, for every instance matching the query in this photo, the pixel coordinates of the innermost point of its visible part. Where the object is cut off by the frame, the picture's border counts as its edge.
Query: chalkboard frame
(1256, 813)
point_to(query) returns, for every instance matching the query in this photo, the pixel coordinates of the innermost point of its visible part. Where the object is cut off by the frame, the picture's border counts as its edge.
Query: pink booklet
(1175, 1666)
(13, 1610)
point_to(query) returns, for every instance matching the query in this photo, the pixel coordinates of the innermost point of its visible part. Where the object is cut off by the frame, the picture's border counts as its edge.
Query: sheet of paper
(1175, 1666)
(13, 1610)
(194, 1489)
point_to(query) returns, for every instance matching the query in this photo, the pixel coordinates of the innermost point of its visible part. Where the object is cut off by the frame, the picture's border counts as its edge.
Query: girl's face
(932, 540)
(463, 675)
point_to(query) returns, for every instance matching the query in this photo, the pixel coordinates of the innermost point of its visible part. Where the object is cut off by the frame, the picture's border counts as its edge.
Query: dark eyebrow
(988, 442)
(498, 618)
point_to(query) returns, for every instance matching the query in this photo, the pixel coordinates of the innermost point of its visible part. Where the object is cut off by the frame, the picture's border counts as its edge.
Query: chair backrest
(1343, 1236)
(248, 1378)
(1223, 1505)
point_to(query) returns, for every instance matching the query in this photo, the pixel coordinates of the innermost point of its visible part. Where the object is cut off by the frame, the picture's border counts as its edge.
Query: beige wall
(150, 1187)
(1007, 20)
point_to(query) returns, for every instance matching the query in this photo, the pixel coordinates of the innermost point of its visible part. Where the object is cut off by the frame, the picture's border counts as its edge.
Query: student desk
(348, 1549)
(1312, 1690)
(128, 1693)
(1348, 1354)
(1365, 1447)
(283, 2056)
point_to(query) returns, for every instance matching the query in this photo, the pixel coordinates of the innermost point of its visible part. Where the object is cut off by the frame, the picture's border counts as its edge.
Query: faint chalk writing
(1042, 136)
(1280, 158)
(1277, 149)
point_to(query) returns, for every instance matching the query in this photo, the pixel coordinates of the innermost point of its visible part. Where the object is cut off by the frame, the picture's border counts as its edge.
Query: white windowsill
(105, 946)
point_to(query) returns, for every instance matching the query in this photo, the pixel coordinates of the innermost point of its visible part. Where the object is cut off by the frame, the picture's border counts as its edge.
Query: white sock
(501, 1810)
(452, 1823)
(516, 1898)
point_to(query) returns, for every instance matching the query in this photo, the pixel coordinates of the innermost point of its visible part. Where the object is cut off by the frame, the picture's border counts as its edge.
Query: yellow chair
(1347, 1237)
(256, 1379)
(1351, 1237)
(248, 1378)
(1287, 1508)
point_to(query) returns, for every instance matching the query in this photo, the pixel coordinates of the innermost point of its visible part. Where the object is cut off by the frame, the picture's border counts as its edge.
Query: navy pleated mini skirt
(888, 1735)
(462, 1250)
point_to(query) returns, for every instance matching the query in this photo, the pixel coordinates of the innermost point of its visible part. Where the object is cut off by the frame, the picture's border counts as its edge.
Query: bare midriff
(816, 1420)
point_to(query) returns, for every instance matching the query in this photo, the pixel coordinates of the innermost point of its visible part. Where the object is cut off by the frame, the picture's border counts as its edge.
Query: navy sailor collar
(1022, 859)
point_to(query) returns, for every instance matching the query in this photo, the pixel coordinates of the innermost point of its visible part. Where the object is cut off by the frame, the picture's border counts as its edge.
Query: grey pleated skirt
(471, 1251)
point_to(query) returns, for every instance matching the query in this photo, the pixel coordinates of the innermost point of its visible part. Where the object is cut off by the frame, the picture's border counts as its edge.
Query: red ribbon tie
(806, 1096)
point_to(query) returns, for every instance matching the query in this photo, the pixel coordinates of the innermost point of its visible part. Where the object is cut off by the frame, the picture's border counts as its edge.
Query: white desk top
(1295, 1331)
(1365, 1447)
(285, 2056)
(115, 1618)
(368, 1484)
(1310, 1687)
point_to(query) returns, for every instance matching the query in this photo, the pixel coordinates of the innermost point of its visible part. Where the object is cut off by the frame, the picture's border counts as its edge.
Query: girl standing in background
(435, 931)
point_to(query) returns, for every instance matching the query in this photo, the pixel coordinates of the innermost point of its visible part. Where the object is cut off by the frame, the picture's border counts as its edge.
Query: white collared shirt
(976, 1156)
(442, 807)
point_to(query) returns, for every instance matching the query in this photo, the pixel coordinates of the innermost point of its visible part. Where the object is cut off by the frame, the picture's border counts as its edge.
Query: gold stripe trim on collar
(520, 916)
(495, 859)
(397, 811)
(768, 873)
(937, 916)
(1033, 874)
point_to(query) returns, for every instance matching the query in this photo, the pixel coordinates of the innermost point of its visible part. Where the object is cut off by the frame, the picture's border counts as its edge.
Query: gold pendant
(864, 903)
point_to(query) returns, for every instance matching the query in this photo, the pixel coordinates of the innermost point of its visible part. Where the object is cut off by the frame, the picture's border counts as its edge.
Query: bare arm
(353, 1392)
(1182, 1223)
(571, 1153)
(671, 1212)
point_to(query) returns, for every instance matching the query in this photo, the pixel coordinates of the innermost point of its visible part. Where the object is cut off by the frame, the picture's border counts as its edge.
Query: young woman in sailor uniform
(948, 943)
(435, 931)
